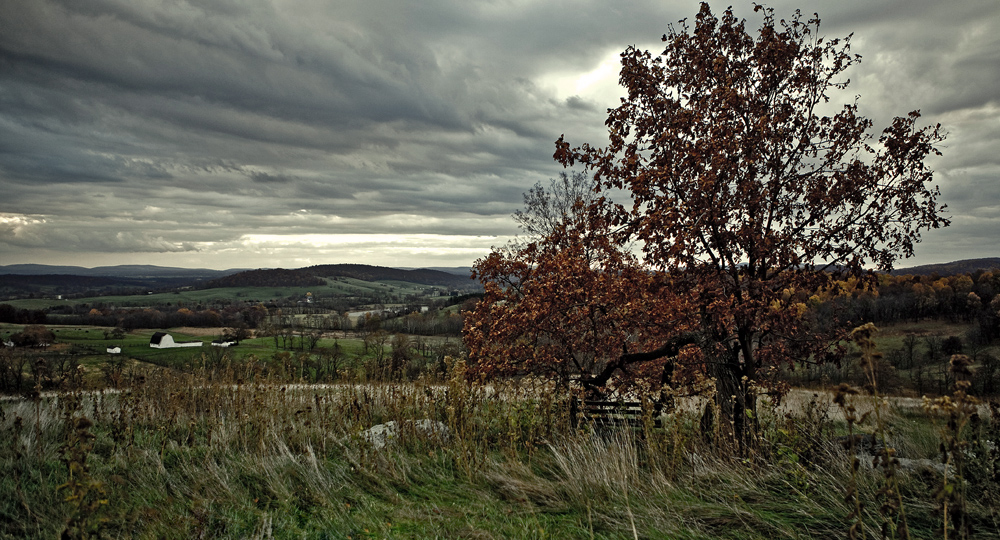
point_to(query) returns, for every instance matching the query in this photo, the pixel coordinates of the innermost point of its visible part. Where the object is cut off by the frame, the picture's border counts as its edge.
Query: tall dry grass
(235, 451)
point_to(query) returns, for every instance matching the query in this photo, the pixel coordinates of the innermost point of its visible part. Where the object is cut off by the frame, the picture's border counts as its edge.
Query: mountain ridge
(124, 271)
(963, 266)
(313, 275)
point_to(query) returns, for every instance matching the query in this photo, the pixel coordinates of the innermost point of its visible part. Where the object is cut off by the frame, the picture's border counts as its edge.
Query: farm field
(342, 351)
(89, 344)
(891, 336)
(913, 362)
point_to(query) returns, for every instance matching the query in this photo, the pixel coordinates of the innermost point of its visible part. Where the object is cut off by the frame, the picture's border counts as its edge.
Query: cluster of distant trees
(249, 315)
(294, 330)
(11, 314)
(33, 335)
(920, 364)
(959, 298)
(426, 324)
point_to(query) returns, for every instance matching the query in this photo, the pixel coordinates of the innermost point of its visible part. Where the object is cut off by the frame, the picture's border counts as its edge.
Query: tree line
(958, 298)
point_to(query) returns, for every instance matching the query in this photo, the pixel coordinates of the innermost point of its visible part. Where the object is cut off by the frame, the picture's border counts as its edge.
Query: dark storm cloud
(245, 58)
(266, 178)
(140, 126)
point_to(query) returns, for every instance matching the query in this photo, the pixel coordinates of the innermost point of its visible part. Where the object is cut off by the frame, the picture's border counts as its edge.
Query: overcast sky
(287, 133)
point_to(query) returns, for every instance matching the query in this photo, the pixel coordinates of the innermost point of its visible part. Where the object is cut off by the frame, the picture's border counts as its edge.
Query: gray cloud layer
(184, 133)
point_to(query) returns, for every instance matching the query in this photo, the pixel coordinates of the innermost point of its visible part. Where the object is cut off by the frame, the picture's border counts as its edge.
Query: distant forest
(970, 298)
(267, 278)
(909, 298)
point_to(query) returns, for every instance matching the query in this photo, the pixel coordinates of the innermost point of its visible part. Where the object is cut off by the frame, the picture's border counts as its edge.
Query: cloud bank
(249, 133)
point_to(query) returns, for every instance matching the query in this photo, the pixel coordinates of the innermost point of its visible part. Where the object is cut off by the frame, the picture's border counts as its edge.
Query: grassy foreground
(229, 454)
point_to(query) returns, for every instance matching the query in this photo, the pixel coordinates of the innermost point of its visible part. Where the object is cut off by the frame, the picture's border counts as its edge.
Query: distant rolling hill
(30, 280)
(38, 280)
(313, 275)
(14, 286)
(423, 276)
(277, 277)
(966, 266)
(464, 271)
(65, 280)
(126, 271)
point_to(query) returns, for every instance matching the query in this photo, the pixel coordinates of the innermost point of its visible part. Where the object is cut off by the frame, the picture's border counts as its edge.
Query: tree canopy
(746, 192)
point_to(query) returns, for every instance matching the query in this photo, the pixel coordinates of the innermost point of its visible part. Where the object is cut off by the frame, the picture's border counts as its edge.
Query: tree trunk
(736, 399)
(728, 396)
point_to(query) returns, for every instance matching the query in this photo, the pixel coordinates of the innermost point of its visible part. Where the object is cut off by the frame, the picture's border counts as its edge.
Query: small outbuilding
(114, 350)
(163, 340)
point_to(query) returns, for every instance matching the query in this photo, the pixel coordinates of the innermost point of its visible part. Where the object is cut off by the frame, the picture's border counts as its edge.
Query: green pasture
(39, 303)
(891, 336)
(89, 343)
(353, 287)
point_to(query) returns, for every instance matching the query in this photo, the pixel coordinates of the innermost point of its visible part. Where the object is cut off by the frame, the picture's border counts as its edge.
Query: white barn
(163, 340)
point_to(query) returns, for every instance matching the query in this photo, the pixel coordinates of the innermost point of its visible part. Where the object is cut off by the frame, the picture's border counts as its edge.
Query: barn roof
(157, 338)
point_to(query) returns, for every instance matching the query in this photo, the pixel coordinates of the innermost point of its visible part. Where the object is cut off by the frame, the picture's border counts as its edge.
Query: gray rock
(868, 446)
(383, 434)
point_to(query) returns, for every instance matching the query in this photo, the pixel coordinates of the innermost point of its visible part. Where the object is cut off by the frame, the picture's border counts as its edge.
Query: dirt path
(798, 398)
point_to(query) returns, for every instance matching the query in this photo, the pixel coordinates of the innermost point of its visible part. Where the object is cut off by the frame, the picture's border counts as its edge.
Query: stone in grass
(383, 434)
(869, 445)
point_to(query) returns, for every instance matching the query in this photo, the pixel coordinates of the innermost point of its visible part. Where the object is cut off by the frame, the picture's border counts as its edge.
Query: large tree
(747, 191)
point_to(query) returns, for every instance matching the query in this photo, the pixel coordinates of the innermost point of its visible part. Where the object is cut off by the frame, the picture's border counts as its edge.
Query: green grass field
(333, 358)
(891, 336)
(90, 344)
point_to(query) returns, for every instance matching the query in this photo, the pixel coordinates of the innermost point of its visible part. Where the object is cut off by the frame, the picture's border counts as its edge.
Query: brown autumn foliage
(573, 305)
(741, 195)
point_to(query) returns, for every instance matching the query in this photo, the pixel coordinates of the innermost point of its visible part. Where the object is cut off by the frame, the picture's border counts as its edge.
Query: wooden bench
(610, 413)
